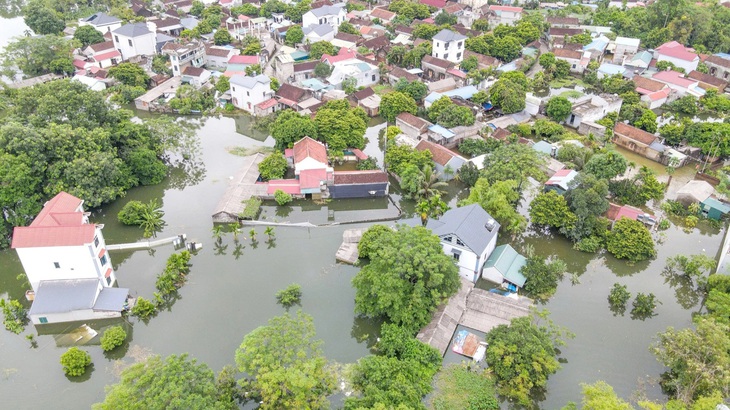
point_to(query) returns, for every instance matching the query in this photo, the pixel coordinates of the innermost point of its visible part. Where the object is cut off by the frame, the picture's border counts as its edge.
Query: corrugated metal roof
(468, 223)
(60, 296)
(111, 299)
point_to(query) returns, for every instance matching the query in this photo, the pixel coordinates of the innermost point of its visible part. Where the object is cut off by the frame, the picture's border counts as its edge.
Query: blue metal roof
(299, 55)
(544, 147)
(508, 67)
(611, 69)
(314, 84)
(441, 131)
(433, 97)
(714, 203)
(463, 92)
(723, 55)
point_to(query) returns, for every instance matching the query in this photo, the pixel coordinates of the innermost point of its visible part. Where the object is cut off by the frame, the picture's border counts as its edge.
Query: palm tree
(217, 232)
(269, 232)
(151, 219)
(235, 229)
(430, 184)
(252, 232)
(671, 167)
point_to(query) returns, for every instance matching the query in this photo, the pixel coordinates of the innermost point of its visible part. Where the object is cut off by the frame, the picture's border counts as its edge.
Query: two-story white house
(134, 40)
(102, 22)
(247, 91)
(191, 54)
(677, 54)
(60, 243)
(469, 235)
(364, 74)
(448, 45)
(102, 55)
(331, 15)
(497, 15)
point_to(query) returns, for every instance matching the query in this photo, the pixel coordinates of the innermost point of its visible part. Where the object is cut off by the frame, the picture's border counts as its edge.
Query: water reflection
(364, 329)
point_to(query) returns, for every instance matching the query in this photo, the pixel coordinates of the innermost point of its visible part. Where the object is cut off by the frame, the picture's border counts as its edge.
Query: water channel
(231, 288)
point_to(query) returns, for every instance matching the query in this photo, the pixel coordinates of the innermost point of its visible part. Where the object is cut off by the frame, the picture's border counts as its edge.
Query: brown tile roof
(454, 8)
(309, 148)
(559, 31)
(440, 154)
(613, 211)
(445, 64)
(401, 73)
(634, 133)
(708, 79)
(648, 83)
(722, 62)
(217, 52)
(360, 177)
(488, 61)
(102, 46)
(308, 66)
(363, 94)
(347, 37)
(291, 92)
(563, 53)
(573, 46)
(382, 14)
(376, 43)
(466, 31)
(563, 20)
(193, 71)
(413, 121)
(320, 3)
(501, 134)
(403, 29)
(360, 22)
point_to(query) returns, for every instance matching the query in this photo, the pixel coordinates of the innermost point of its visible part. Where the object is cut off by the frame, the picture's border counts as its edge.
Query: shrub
(618, 297)
(15, 316)
(273, 166)
(289, 296)
(174, 275)
(664, 224)
(643, 305)
(144, 309)
(113, 338)
(281, 197)
(131, 213)
(75, 361)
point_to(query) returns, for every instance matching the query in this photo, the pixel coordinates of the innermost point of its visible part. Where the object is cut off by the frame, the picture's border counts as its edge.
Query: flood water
(230, 289)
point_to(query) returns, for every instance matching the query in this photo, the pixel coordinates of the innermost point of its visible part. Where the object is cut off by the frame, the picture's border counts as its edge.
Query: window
(447, 238)
(456, 256)
(574, 66)
(116, 39)
(43, 319)
(57, 265)
(373, 77)
(446, 56)
(248, 94)
(264, 94)
(130, 42)
(446, 46)
(103, 260)
(109, 280)
(459, 242)
(459, 45)
(174, 67)
(96, 241)
(458, 56)
(233, 88)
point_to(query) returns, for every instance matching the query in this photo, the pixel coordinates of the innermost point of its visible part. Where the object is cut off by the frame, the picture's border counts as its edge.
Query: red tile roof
(267, 104)
(342, 55)
(440, 154)
(634, 133)
(359, 154)
(360, 177)
(676, 50)
(382, 14)
(439, 4)
(63, 203)
(673, 77)
(506, 8)
(290, 186)
(107, 56)
(312, 178)
(309, 148)
(60, 223)
(243, 60)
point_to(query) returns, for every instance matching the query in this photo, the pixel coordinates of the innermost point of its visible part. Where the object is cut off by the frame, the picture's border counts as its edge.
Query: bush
(371, 239)
(290, 296)
(131, 213)
(113, 338)
(251, 208)
(274, 166)
(590, 244)
(643, 305)
(75, 361)
(618, 297)
(174, 275)
(281, 197)
(144, 309)
(15, 316)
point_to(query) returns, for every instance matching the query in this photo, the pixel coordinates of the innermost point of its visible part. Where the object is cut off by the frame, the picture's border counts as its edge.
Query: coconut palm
(269, 232)
(430, 184)
(235, 229)
(217, 232)
(252, 232)
(151, 219)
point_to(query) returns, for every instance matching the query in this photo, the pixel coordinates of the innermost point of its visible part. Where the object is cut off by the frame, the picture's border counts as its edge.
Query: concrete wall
(142, 45)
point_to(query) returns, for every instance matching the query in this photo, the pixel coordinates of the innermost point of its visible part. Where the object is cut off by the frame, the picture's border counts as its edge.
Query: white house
(365, 74)
(678, 55)
(446, 162)
(591, 108)
(448, 45)
(625, 47)
(503, 15)
(577, 63)
(60, 243)
(197, 76)
(680, 85)
(319, 32)
(102, 22)
(469, 235)
(216, 57)
(102, 55)
(331, 15)
(247, 91)
(134, 40)
(309, 154)
(182, 56)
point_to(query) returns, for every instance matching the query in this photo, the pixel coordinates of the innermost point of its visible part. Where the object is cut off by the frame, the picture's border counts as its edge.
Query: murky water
(231, 287)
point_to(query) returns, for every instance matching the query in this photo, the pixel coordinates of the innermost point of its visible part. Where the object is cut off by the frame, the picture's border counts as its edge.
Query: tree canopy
(406, 279)
(43, 19)
(395, 103)
(499, 200)
(37, 55)
(175, 382)
(340, 125)
(284, 365)
(629, 239)
(88, 35)
(558, 108)
(289, 127)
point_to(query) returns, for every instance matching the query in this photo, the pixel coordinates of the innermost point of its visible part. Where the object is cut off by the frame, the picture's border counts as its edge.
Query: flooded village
(300, 171)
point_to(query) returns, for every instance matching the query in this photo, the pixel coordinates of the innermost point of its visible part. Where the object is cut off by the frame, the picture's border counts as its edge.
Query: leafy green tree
(160, 66)
(113, 338)
(175, 382)
(606, 165)
(318, 49)
(346, 27)
(600, 395)
(295, 11)
(416, 89)
(223, 84)
(322, 70)
(144, 309)
(647, 121)
(274, 85)
(643, 187)
(548, 130)
(42, 19)
(130, 74)
(547, 61)
(284, 365)
(409, 10)
(289, 127)
(75, 361)
(15, 316)
(372, 240)
(282, 198)
(508, 96)
(629, 239)
(426, 31)
(522, 356)
(88, 35)
(399, 157)
(250, 45)
(254, 70)
(618, 297)
(294, 36)
(481, 24)
(558, 108)
(514, 162)
(643, 306)
(542, 276)
(587, 200)
(718, 298)
(468, 174)
(274, 166)
(131, 213)
(341, 126)
(289, 296)
(34, 56)
(222, 37)
(506, 49)
(473, 147)
(551, 209)
(499, 200)
(407, 277)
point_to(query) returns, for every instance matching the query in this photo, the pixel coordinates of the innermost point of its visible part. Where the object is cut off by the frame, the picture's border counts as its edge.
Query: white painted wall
(137, 46)
(454, 52)
(687, 65)
(469, 263)
(247, 98)
(103, 29)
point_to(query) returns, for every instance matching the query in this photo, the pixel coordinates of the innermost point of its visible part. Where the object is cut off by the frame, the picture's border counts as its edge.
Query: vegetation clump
(618, 297)
(290, 296)
(113, 338)
(274, 166)
(174, 275)
(251, 209)
(75, 361)
(147, 216)
(15, 316)
(643, 306)
(144, 309)
(282, 198)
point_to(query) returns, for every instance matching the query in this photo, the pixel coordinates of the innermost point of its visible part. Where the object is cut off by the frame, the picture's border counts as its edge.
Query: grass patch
(381, 89)
(458, 388)
(571, 94)
(568, 82)
(252, 208)
(246, 151)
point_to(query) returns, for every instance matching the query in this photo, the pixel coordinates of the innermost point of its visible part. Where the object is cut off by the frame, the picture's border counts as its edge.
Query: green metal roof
(508, 262)
(714, 203)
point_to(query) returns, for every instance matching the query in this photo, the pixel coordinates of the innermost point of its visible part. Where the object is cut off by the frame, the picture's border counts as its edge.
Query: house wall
(640, 149)
(452, 50)
(492, 275)
(718, 71)
(142, 45)
(309, 163)
(407, 129)
(103, 29)
(309, 19)
(652, 104)
(73, 316)
(687, 65)
(358, 190)
(215, 62)
(575, 66)
(246, 99)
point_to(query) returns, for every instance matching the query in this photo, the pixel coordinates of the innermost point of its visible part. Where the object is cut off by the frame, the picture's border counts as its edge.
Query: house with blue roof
(468, 234)
(503, 267)
(608, 70)
(714, 209)
(597, 47)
